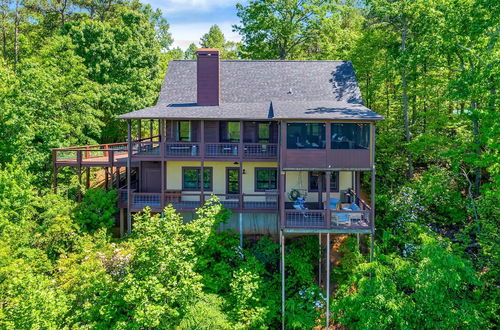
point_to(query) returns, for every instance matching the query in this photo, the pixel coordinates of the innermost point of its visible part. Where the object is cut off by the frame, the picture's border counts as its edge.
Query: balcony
(147, 150)
(189, 201)
(311, 217)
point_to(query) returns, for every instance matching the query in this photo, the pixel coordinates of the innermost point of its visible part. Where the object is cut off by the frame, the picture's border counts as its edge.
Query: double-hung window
(191, 178)
(266, 179)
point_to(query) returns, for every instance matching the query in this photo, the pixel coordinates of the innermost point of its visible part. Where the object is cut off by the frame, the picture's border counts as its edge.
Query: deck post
(106, 178)
(162, 178)
(327, 280)
(129, 181)
(151, 129)
(282, 244)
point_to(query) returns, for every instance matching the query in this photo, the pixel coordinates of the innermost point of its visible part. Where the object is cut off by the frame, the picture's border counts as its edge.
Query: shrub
(97, 209)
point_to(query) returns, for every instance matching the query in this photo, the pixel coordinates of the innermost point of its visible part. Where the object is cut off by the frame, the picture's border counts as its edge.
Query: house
(283, 144)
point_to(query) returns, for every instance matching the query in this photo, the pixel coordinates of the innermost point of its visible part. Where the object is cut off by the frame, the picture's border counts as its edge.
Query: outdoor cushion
(343, 217)
(355, 207)
(299, 207)
(333, 203)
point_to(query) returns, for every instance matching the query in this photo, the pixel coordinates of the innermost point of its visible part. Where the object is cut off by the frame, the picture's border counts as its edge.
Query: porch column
(139, 129)
(162, 178)
(151, 129)
(282, 173)
(328, 211)
(129, 180)
(202, 165)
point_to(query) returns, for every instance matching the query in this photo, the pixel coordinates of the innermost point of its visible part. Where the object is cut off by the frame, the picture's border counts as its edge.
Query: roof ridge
(280, 61)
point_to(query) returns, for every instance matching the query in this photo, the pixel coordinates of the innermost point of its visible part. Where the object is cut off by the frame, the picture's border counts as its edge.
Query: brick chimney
(208, 82)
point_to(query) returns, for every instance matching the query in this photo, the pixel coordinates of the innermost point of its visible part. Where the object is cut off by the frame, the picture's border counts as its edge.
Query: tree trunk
(405, 98)
(16, 35)
(477, 142)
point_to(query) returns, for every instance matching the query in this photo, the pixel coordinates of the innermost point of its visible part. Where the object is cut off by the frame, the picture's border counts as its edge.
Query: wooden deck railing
(107, 154)
(189, 201)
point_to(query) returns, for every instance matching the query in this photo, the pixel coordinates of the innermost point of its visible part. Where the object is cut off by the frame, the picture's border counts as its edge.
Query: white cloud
(171, 6)
(186, 33)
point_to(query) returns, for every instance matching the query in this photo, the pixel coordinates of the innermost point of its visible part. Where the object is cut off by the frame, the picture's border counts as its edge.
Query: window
(230, 131)
(266, 179)
(263, 132)
(232, 180)
(184, 131)
(306, 136)
(350, 136)
(314, 181)
(191, 178)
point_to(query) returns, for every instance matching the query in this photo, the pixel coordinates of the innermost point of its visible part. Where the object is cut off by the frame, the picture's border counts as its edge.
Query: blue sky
(190, 19)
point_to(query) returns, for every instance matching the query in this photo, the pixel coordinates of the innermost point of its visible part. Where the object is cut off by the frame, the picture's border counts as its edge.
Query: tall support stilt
(372, 238)
(357, 240)
(319, 260)
(122, 222)
(118, 178)
(129, 180)
(106, 177)
(282, 243)
(79, 184)
(55, 179)
(87, 178)
(241, 229)
(327, 316)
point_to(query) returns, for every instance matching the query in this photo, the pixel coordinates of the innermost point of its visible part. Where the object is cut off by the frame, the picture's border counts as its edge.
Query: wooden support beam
(118, 177)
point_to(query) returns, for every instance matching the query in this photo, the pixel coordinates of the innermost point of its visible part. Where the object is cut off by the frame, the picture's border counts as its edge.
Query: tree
(278, 29)
(190, 53)
(215, 39)
(97, 209)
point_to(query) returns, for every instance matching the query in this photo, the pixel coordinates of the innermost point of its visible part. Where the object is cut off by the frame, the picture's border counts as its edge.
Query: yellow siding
(294, 180)
(174, 175)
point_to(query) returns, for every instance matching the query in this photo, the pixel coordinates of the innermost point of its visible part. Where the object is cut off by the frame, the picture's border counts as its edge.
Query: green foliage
(215, 39)
(432, 288)
(97, 209)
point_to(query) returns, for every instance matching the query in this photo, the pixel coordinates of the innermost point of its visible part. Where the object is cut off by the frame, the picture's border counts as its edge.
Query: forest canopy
(430, 67)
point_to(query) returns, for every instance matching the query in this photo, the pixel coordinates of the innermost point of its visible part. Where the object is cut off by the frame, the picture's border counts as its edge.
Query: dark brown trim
(335, 176)
(255, 178)
(184, 168)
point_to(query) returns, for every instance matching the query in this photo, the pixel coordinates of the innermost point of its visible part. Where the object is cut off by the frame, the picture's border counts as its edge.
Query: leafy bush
(431, 289)
(97, 209)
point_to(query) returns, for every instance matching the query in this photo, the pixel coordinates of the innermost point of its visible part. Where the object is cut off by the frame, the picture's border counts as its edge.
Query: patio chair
(299, 205)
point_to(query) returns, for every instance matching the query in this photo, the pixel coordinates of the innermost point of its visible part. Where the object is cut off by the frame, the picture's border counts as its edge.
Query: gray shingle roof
(262, 90)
